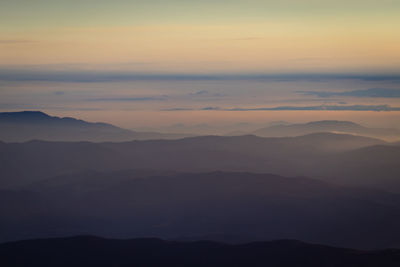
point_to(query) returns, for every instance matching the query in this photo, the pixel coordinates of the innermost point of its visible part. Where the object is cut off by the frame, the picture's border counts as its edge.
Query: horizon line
(9, 74)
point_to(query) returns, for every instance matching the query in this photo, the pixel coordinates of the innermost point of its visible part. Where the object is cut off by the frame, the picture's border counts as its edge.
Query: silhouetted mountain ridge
(30, 125)
(94, 251)
(33, 117)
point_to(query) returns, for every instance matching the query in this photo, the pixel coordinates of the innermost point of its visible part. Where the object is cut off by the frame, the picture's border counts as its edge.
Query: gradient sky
(202, 36)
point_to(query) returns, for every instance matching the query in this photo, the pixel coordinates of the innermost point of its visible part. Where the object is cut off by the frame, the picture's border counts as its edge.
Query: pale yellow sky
(245, 36)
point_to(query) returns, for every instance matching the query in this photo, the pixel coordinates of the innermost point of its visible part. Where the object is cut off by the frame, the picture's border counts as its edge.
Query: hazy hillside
(327, 126)
(94, 251)
(374, 165)
(328, 156)
(35, 125)
(253, 206)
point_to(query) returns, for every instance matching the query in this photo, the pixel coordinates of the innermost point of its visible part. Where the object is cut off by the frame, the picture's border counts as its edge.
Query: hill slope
(316, 155)
(250, 206)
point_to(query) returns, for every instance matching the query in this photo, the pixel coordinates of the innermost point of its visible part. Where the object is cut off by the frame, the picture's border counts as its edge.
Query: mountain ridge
(39, 116)
(94, 251)
(289, 156)
(29, 125)
(327, 126)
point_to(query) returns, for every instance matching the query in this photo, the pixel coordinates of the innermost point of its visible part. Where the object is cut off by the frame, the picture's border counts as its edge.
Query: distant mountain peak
(34, 117)
(30, 113)
(30, 125)
(332, 122)
(333, 126)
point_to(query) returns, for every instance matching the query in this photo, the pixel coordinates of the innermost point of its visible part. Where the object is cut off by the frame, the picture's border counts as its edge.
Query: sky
(156, 63)
(202, 36)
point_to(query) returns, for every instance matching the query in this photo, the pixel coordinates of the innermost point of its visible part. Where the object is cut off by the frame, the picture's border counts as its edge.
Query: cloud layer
(294, 108)
(372, 92)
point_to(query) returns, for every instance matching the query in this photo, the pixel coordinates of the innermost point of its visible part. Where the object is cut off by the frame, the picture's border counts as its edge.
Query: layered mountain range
(325, 187)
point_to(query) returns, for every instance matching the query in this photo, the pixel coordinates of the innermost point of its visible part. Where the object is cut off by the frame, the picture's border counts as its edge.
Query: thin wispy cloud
(128, 99)
(210, 108)
(303, 108)
(372, 92)
(177, 109)
(327, 107)
(59, 93)
(200, 93)
(67, 73)
(205, 93)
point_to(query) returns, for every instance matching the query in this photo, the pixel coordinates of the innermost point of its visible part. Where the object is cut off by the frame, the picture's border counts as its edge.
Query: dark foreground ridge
(94, 251)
